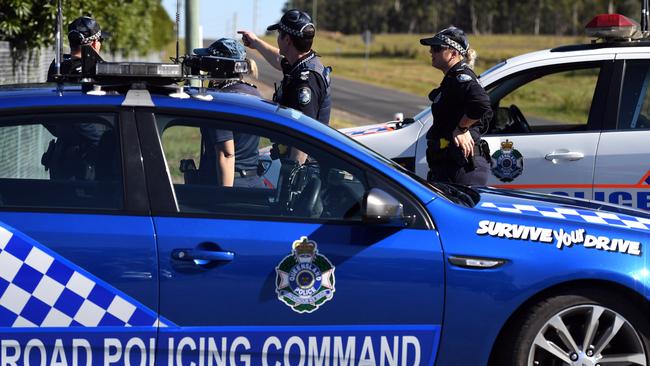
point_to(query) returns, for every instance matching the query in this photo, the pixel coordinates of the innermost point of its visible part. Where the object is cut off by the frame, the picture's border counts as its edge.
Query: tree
(476, 16)
(30, 24)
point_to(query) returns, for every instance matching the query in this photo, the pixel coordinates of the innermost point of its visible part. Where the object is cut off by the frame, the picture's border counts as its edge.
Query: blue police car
(118, 246)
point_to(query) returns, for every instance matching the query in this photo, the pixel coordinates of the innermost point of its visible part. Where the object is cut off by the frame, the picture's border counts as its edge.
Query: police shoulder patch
(304, 75)
(463, 78)
(304, 95)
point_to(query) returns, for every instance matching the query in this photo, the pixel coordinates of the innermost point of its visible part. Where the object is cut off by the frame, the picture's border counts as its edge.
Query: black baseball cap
(451, 37)
(84, 30)
(295, 22)
(223, 47)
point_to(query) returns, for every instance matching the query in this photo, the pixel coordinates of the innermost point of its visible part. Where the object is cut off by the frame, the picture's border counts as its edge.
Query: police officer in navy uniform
(306, 82)
(236, 154)
(78, 150)
(461, 111)
(82, 31)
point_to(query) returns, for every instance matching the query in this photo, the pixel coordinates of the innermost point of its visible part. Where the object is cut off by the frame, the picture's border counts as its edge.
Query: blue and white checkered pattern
(593, 217)
(37, 289)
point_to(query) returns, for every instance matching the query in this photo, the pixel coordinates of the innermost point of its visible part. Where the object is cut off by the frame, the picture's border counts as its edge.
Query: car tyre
(588, 327)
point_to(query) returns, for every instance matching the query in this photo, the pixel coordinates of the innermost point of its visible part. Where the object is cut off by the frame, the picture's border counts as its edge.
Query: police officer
(237, 154)
(82, 31)
(461, 110)
(306, 82)
(78, 148)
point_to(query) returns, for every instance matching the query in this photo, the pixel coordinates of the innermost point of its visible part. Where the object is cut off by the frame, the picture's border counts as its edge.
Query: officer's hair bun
(470, 58)
(75, 39)
(309, 32)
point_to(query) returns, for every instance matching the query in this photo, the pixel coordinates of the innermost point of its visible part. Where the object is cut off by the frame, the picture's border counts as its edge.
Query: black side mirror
(380, 208)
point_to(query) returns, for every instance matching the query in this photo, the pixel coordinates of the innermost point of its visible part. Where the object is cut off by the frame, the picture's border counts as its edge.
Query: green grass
(399, 61)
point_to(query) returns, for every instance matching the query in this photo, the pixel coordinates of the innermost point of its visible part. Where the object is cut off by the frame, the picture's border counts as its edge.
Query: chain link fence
(34, 68)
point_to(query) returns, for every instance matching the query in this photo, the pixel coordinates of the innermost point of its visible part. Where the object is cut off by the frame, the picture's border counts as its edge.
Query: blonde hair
(252, 65)
(470, 58)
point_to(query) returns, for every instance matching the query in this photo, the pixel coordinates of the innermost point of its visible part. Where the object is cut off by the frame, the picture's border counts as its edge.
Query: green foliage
(561, 17)
(134, 25)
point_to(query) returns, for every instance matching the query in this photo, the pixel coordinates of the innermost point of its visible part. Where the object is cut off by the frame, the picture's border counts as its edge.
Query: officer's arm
(224, 147)
(477, 103)
(270, 53)
(226, 162)
(306, 96)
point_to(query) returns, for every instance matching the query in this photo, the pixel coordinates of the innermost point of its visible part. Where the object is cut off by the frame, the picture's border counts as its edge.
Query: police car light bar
(612, 27)
(141, 69)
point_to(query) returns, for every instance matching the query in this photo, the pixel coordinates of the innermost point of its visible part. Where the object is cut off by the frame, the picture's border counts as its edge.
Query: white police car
(572, 120)
(116, 249)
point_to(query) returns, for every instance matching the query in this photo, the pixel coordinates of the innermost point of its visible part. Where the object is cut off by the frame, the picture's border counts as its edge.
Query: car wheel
(582, 329)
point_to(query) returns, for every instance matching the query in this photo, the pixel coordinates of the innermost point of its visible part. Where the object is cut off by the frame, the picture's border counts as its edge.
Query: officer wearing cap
(82, 31)
(235, 154)
(461, 110)
(75, 153)
(306, 82)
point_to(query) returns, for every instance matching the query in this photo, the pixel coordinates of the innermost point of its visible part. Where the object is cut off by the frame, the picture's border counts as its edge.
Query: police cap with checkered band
(451, 37)
(296, 23)
(84, 30)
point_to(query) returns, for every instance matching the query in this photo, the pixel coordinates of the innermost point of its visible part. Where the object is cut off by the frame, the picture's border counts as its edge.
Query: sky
(219, 16)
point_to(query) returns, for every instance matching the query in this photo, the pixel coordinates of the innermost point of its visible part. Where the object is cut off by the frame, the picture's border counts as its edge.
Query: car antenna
(645, 18)
(178, 26)
(59, 48)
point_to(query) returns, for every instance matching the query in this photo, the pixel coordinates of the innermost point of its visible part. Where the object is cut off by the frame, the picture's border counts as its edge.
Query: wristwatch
(462, 129)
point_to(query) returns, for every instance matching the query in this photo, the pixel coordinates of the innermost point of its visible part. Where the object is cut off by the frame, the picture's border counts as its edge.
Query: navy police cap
(223, 47)
(451, 37)
(295, 22)
(84, 30)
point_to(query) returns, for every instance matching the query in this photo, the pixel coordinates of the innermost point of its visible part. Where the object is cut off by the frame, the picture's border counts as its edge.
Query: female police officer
(461, 109)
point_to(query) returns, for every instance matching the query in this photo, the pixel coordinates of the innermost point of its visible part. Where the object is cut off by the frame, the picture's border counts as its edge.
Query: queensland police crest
(305, 278)
(507, 163)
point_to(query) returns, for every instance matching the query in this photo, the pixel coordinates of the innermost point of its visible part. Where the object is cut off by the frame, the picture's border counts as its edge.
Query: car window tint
(267, 180)
(635, 102)
(554, 102)
(60, 161)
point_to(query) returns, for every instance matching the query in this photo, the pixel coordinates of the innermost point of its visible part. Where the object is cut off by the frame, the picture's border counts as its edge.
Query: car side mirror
(381, 208)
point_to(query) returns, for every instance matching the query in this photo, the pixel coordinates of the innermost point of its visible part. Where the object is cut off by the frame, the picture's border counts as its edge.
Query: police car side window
(60, 161)
(267, 180)
(635, 102)
(538, 102)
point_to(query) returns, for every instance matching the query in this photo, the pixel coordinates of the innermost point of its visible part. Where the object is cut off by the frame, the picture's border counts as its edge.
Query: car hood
(359, 131)
(562, 208)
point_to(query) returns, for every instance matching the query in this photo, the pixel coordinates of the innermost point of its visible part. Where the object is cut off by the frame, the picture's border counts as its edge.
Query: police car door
(285, 271)
(546, 127)
(78, 275)
(622, 169)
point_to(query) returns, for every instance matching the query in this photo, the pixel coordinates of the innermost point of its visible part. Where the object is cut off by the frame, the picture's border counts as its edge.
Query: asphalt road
(368, 101)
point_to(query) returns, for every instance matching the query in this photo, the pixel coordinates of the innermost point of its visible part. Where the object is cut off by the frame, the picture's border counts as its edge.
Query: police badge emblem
(304, 96)
(507, 163)
(305, 278)
(463, 78)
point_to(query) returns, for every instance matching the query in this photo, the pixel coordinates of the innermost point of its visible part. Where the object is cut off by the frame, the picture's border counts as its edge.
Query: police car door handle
(565, 155)
(200, 256)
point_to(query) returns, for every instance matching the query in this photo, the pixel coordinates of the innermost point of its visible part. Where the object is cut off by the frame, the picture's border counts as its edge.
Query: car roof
(564, 54)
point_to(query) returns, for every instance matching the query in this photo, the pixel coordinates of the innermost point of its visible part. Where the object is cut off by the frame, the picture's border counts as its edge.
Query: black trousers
(443, 168)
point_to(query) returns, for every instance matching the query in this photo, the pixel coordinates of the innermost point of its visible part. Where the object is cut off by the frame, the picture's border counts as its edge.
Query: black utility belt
(246, 172)
(443, 149)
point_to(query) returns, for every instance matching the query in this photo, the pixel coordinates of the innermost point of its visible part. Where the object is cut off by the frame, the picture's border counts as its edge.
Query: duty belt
(247, 172)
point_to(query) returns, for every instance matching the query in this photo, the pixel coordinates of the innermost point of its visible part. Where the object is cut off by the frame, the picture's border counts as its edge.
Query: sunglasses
(438, 48)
